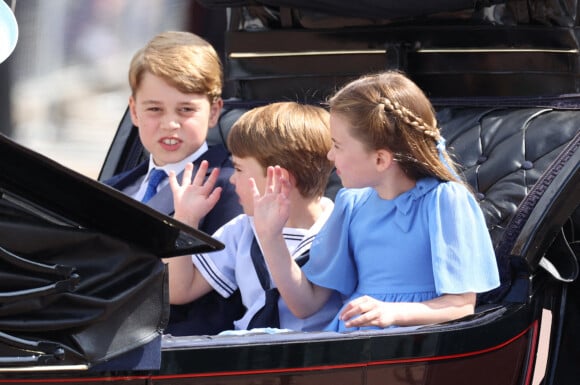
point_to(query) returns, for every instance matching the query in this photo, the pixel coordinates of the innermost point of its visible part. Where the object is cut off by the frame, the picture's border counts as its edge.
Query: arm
(186, 283)
(271, 212)
(367, 311)
(192, 200)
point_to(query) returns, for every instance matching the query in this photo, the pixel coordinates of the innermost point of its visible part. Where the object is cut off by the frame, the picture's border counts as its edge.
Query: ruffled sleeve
(332, 263)
(462, 252)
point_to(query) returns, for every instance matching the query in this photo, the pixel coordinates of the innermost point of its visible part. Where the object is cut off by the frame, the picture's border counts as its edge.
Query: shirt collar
(406, 203)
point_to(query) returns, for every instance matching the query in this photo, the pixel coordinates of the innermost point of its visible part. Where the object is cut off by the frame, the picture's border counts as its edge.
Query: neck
(305, 211)
(394, 183)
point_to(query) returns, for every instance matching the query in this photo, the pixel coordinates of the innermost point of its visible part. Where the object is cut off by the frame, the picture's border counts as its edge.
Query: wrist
(270, 238)
(188, 220)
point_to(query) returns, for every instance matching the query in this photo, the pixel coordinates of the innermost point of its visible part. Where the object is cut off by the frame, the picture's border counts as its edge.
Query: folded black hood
(81, 280)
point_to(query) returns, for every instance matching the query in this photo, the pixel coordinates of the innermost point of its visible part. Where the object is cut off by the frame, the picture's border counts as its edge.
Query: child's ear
(214, 112)
(384, 159)
(291, 178)
(133, 112)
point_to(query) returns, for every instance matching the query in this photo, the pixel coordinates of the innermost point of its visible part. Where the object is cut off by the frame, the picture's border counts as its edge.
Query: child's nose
(171, 123)
(330, 155)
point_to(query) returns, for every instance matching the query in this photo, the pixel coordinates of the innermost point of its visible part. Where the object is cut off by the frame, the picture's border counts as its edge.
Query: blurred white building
(69, 72)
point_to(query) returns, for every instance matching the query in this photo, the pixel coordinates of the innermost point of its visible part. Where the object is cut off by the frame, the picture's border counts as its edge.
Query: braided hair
(389, 111)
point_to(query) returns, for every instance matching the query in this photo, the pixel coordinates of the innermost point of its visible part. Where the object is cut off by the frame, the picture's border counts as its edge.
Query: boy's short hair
(183, 59)
(292, 135)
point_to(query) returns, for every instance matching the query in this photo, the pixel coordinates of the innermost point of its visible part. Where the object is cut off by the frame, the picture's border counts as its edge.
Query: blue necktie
(155, 178)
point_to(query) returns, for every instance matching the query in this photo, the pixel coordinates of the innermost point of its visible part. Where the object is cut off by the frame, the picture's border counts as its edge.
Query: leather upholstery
(503, 152)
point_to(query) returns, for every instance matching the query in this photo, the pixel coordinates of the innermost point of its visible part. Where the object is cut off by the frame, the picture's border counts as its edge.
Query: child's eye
(153, 109)
(187, 110)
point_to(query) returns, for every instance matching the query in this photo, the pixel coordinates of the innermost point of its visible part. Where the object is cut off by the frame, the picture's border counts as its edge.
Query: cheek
(147, 127)
(338, 159)
(198, 123)
(242, 188)
(246, 198)
(195, 133)
(145, 134)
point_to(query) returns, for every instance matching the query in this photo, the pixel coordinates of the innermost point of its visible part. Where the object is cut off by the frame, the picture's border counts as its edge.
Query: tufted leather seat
(504, 151)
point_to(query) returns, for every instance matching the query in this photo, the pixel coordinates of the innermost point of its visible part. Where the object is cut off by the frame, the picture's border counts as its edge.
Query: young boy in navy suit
(176, 85)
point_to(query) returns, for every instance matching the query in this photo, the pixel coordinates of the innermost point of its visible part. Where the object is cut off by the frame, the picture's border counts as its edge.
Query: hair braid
(411, 119)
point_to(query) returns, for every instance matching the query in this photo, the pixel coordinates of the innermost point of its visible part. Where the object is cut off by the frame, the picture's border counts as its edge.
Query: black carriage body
(503, 77)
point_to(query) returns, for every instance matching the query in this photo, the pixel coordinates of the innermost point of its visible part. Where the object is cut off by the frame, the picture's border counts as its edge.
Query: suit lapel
(126, 179)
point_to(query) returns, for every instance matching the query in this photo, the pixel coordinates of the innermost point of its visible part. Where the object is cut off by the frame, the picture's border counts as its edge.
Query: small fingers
(355, 313)
(214, 197)
(351, 309)
(173, 181)
(366, 319)
(186, 176)
(280, 181)
(199, 175)
(284, 182)
(254, 189)
(212, 178)
(270, 179)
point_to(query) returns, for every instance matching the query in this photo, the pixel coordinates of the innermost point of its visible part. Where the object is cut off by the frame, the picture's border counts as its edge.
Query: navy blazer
(211, 313)
(227, 207)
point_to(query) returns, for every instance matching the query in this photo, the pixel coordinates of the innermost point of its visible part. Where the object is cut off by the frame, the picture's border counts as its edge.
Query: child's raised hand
(272, 209)
(193, 199)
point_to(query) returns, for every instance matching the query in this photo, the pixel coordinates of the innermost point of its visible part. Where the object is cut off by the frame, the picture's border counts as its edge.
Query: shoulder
(234, 227)
(452, 193)
(353, 196)
(349, 200)
(454, 199)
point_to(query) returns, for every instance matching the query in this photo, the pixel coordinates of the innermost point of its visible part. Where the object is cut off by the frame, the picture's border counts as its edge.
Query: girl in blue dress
(406, 243)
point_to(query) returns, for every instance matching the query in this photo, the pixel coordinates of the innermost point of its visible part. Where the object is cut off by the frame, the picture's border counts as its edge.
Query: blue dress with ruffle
(428, 241)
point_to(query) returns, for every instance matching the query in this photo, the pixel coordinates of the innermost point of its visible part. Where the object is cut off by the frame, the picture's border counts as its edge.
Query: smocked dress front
(428, 241)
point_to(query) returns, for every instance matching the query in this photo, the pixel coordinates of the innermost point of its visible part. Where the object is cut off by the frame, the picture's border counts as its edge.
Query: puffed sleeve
(331, 262)
(462, 252)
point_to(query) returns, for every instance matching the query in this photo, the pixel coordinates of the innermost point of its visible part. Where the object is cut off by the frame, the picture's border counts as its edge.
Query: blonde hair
(292, 135)
(182, 59)
(389, 111)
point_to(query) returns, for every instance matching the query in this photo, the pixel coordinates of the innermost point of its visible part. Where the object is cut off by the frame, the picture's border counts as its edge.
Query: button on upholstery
(527, 165)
